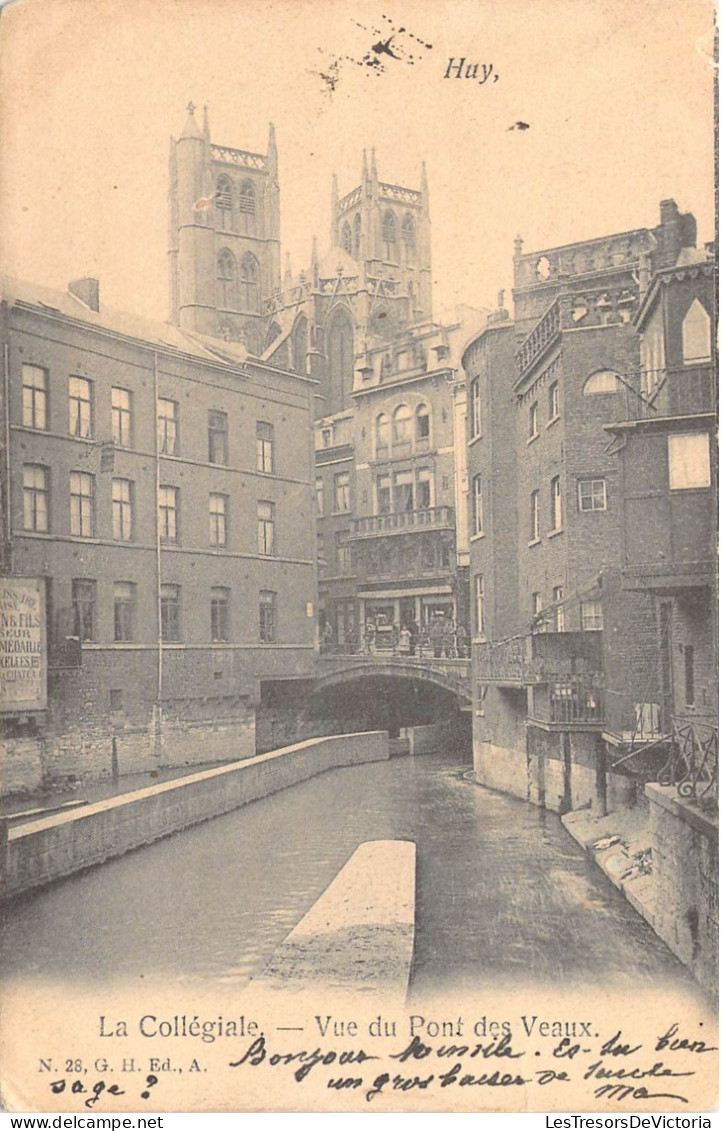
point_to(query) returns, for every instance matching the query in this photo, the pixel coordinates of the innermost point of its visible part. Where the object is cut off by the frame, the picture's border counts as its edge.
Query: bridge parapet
(452, 674)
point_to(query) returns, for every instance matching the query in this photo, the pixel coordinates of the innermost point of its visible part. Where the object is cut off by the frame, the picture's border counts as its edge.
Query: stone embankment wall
(46, 849)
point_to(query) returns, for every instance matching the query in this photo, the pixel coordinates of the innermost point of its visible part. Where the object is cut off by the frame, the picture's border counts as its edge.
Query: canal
(503, 893)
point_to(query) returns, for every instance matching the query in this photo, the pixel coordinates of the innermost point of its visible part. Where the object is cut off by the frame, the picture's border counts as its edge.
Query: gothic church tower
(224, 247)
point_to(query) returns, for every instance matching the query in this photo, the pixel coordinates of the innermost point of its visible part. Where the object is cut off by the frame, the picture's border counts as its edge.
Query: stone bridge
(453, 675)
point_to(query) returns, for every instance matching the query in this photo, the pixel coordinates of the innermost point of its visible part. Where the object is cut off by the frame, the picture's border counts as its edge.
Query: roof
(159, 335)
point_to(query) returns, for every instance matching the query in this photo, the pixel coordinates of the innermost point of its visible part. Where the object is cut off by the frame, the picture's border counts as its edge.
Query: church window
(340, 359)
(226, 279)
(249, 295)
(345, 238)
(356, 235)
(247, 207)
(408, 232)
(389, 237)
(224, 202)
(300, 344)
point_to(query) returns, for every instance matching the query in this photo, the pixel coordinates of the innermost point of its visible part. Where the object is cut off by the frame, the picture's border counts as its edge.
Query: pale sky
(617, 95)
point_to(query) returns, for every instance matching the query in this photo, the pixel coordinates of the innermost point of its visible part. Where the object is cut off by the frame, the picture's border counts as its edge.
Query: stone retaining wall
(41, 851)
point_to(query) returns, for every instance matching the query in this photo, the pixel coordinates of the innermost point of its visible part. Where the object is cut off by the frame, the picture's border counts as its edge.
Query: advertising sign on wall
(23, 645)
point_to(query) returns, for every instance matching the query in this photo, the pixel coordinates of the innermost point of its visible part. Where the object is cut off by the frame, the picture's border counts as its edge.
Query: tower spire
(206, 124)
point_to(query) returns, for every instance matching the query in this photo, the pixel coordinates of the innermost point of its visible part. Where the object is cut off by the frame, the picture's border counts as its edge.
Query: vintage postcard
(358, 609)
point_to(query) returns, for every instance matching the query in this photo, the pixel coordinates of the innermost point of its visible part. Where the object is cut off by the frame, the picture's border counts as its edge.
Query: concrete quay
(359, 935)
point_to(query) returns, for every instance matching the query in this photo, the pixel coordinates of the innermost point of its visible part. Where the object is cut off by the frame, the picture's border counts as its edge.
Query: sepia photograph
(358, 576)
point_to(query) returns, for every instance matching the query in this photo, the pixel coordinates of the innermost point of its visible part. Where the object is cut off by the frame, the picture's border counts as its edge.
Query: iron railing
(427, 518)
(692, 764)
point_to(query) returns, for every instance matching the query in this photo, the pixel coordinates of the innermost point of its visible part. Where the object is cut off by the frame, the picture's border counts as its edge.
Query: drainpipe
(158, 736)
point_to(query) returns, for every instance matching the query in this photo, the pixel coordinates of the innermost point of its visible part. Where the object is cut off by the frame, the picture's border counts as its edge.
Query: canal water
(504, 894)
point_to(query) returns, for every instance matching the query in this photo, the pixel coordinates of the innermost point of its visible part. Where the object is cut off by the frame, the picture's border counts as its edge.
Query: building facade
(162, 492)
(557, 646)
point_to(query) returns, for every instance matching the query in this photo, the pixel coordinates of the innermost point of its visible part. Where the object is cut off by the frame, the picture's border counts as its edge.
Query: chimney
(88, 291)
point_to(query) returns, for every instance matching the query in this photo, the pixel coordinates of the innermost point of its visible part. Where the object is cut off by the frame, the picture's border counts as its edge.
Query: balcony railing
(576, 700)
(545, 331)
(668, 392)
(430, 518)
(692, 764)
(540, 657)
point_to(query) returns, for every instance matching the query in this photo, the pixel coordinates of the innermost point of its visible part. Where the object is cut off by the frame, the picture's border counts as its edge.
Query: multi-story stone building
(548, 517)
(160, 491)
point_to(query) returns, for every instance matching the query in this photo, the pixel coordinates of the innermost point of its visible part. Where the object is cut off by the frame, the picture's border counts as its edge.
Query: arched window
(249, 290)
(696, 334)
(605, 381)
(408, 232)
(300, 344)
(339, 338)
(423, 426)
(273, 333)
(345, 238)
(388, 236)
(224, 202)
(402, 426)
(356, 235)
(383, 431)
(226, 279)
(247, 207)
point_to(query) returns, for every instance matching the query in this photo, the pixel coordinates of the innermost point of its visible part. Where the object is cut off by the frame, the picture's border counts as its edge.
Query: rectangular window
(122, 494)
(218, 515)
(689, 461)
(124, 610)
(319, 498)
(326, 437)
(383, 494)
(36, 498)
(537, 624)
(424, 500)
(592, 494)
(266, 529)
(80, 405)
(554, 401)
(342, 550)
(478, 504)
(479, 599)
(556, 510)
(341, 492)
(591, 616)
(533, 421)
(219, 615)
(560, 618)
(170, 613)
(168, 432)
(535, 530)
(168, 513)
(264, 447)
(476, 408)
(403, 491)
(217, 437)
(83, 600)
(35, 397)
(267, 610)
(122, 417)
(82, 504)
